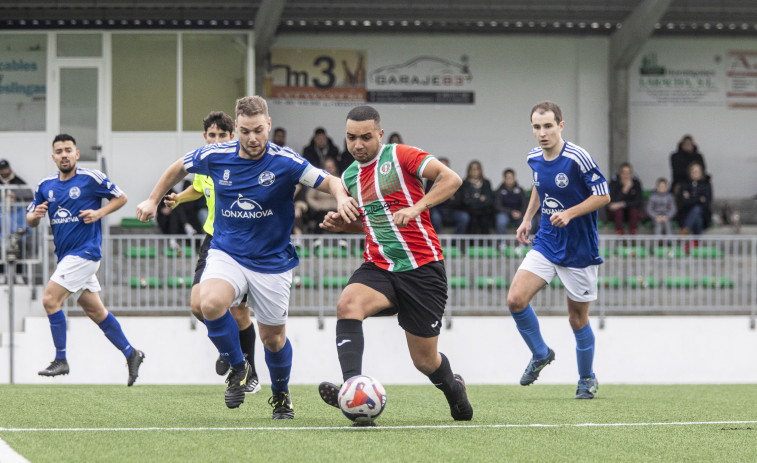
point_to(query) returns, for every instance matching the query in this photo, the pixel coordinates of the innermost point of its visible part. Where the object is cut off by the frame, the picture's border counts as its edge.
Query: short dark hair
(63, 137)
(662, 180)
(508, 171)
(546, 106)
(220, 119)
(319, 131)
(364, 113)
(279, 129)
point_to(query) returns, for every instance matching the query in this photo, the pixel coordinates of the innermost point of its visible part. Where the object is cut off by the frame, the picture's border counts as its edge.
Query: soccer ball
(362, 399)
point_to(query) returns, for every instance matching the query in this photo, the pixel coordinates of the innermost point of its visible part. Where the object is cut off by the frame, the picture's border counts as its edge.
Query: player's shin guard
(115, 334)
(444, 380)
(224, 333)
(58, 330)
(585, 351)
(247, 342)
(528, 326)
(349, 346)
(280, 366)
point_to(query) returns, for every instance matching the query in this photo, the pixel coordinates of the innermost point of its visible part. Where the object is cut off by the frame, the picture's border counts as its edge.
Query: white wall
(485, 350)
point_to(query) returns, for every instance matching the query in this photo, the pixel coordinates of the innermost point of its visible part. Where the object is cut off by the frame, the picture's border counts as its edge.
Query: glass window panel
(78, 108)
(214, 75)
(144, 82)
(23, 80)
(79, 45)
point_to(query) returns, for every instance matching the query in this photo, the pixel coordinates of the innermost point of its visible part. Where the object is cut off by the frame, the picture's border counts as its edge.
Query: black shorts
(203, 256)
(419, 296)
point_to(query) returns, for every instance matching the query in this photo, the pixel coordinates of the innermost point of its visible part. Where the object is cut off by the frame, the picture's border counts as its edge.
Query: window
(23, 73)
(144, 82)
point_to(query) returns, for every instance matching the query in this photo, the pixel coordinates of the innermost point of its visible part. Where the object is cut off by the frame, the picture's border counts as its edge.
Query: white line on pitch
(379, 428)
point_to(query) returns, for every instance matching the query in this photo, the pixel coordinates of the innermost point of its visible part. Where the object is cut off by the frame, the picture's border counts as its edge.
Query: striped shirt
(382, 186)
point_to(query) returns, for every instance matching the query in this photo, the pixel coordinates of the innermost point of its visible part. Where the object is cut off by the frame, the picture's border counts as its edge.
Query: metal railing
(641, 275)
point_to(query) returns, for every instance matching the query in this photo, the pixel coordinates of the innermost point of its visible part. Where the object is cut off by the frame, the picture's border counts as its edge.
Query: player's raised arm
(175, 172)
(346, 205)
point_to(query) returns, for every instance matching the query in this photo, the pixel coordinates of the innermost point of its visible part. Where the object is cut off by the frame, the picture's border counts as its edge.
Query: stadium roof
(595, 17)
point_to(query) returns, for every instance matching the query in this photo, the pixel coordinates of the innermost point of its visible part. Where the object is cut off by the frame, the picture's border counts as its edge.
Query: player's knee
(242, 315)
(516, 302)
(212, 306)
(349, 307)
(274, 342)
(426, 364)
(194, 306)
(50, 304)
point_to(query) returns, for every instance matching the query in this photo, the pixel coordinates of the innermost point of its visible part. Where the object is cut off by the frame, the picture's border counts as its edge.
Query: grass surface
(511, 423)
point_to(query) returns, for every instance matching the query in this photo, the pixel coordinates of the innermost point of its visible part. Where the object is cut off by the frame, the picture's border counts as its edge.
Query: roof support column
(266, 22)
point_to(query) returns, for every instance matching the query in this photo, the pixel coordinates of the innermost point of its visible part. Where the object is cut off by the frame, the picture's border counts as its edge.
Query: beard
(67, 170)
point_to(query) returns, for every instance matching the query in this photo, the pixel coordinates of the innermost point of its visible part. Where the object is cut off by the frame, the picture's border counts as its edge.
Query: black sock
(349, 346)
(247, 342)
(443, 379)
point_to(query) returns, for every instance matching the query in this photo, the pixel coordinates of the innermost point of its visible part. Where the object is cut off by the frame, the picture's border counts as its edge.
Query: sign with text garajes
(675, 77)
(316, 76)
(429, 79)
(741, 79)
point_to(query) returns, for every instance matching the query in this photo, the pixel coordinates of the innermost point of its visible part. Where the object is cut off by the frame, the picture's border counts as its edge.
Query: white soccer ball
(362, 399)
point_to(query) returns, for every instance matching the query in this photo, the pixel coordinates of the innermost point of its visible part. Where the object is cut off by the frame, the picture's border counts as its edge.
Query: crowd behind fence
(641, 275)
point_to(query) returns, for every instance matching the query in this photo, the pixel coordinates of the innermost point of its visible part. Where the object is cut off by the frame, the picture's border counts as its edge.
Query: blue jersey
(65, 200)
(562, 183)
(254, 209)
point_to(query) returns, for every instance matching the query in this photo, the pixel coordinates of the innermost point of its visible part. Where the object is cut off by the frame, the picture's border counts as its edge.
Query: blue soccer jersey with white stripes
(65, 200)
(563, 183)
(254, 207)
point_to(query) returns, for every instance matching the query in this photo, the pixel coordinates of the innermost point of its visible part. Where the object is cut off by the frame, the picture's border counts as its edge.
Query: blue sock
(58, 329)
(585, 351)
(113, 332)
(224, 333)
(279, 365)
(528, 326)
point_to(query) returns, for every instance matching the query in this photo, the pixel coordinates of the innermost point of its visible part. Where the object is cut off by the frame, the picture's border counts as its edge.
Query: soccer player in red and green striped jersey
(403, 272)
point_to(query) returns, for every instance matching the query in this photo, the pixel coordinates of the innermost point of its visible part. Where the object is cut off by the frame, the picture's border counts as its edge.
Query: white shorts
(267, 293)
(77, 274)
(580, 283)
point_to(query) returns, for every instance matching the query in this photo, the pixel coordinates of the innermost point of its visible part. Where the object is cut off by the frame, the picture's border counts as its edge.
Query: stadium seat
(458, 282)
(491, 282)
(717, 282)
(681, 282)
(302, 252)
(631, 251)
(142, 282)
(331, 251)
(669, 251)
(139, 251)
(515, 251)
(482, 251)
(335, 282)
(608, 282)
(641, 282)
(133, 222)
(184, 251)
(179, 282)
(705, 252)
(451, 252)
(303, 282)
(556, 283)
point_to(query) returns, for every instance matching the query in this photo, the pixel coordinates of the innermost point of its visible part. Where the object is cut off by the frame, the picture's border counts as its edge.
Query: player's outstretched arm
(588, 205)
(346, 204)
(175, 172)
(33, 217)
(172, 200)
(446, 183)
(334, 222)
(525, 226)
(93, 215)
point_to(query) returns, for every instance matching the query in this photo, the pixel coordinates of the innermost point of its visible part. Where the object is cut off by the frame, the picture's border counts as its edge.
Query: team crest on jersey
(385, 168)
(225, 181)
(266, 178)
(245, 208)
(74, 192)
(207, 192)
(536, 178)
(561, 180)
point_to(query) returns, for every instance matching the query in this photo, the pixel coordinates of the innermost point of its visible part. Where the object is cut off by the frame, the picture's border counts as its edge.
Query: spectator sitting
(626, 198)
(680, 160)
(279, 136)
(8, 177)
(661, 208)
(696, 199)
(320, 148)
(449, 212)
(478, 199)
(395, 137)
(509, 202)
